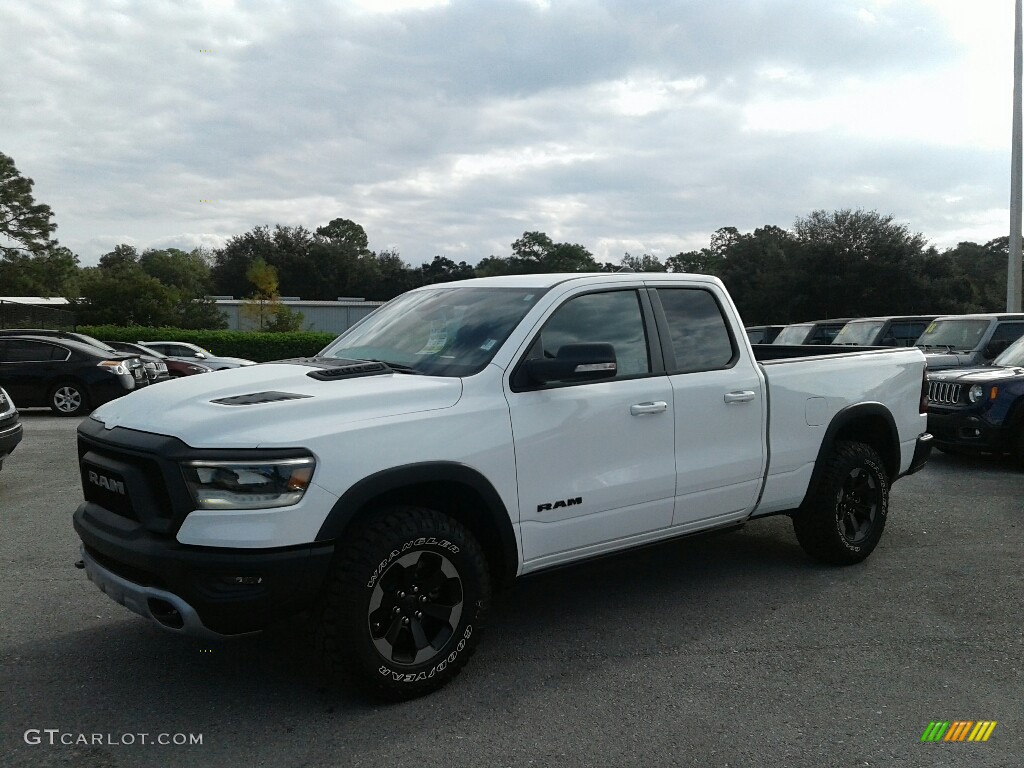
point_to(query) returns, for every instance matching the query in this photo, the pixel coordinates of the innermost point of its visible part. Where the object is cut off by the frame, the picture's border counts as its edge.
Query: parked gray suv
(955, 341)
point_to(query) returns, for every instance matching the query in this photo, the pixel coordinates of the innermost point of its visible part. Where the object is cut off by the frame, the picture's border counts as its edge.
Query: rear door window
(699, 333)
(23, 351)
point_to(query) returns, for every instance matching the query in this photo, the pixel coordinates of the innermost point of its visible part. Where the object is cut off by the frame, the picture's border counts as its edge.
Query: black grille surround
(155, 496)
(132, 534)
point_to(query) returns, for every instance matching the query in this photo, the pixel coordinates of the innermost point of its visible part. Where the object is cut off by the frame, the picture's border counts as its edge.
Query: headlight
(198, 369)
(248, 484)
(114, 367)
(976, 393)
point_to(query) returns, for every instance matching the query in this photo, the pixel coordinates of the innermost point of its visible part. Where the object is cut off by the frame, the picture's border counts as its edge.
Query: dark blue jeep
(980, 410)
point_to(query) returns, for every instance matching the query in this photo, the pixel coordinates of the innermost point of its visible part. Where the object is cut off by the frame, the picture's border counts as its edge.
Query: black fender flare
(846, 418)
(398, 478)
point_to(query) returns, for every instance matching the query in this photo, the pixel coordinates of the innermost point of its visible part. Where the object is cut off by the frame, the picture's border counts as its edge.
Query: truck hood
(273, 403)
(980, 375)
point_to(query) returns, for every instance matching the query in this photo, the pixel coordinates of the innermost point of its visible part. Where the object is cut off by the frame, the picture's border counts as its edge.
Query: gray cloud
(619, 125)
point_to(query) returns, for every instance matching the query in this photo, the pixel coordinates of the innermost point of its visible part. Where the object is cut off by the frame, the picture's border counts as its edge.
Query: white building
(327, 316)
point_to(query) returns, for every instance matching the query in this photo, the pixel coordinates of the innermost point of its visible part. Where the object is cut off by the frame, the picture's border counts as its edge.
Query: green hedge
(251, 345)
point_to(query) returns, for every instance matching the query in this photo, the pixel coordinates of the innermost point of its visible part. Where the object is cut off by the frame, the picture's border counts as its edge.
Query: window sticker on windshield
(487, 345)
(437, 340)
(528, 297)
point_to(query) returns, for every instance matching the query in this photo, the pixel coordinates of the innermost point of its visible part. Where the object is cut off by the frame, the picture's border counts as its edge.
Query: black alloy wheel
(415, 608)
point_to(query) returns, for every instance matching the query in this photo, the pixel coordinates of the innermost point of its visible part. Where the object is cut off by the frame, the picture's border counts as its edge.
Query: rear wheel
(68, 399)
(403, 608)
(842, 520)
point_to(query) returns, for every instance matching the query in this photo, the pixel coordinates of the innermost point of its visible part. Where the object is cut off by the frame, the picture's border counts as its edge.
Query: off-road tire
(381, 621)
(68, 399)
(842, 519)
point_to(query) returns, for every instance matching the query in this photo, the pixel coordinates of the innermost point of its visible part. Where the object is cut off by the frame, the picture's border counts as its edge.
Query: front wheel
(842, 519)
(68, 399)
(403, 608)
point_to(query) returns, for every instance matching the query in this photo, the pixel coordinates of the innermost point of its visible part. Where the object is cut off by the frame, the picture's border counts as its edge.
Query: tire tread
(337, 632)
(814, 523)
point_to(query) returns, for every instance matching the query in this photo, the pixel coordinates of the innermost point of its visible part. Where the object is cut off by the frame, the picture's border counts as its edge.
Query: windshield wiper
(947, 347)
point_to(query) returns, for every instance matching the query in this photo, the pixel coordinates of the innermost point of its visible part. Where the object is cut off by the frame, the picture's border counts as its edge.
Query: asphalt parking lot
(729, 650)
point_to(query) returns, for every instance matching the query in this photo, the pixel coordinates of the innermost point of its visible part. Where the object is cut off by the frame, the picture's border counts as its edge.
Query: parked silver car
(192, 352)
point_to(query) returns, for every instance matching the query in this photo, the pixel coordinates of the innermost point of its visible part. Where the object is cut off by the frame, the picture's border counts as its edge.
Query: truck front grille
(943, 393)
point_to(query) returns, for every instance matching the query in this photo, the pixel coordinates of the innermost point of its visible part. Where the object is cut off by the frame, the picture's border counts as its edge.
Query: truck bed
(768, 353)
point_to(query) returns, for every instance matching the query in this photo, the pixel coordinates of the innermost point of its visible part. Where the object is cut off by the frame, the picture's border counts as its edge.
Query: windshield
(1013, 356)
(953, 335)
(860, 333)
(448, 331)
(793, 334)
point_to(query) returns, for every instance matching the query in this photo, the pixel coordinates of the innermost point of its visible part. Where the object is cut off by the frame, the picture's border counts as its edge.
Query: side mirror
(575, 363)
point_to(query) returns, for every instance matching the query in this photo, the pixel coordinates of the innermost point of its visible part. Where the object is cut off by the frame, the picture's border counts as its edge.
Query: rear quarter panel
(805, 395)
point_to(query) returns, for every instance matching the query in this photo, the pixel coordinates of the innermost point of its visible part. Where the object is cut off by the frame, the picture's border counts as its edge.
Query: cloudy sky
(453, 126)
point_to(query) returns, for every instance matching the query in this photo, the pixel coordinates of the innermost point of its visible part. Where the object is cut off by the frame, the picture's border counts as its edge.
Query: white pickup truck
(468, 433)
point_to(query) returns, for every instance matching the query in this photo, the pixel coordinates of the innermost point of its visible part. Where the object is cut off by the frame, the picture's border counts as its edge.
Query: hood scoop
(335, 368)
(351, 371)
(258, 398)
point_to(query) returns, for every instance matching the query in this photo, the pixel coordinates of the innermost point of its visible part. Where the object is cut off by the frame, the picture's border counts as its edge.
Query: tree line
(845, 263)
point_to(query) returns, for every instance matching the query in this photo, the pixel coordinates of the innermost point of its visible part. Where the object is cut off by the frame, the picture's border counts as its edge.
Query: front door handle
(642, 408)
(743, 396)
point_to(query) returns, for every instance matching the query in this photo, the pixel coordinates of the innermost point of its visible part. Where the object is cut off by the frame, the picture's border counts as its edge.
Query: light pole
(1013, 275)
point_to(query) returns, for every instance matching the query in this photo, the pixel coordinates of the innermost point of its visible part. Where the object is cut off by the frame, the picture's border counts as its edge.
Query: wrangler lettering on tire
(843, 517)
(401, 613)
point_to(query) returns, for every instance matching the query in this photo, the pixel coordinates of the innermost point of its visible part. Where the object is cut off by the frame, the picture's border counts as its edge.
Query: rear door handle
(743, 396)
(642, 408)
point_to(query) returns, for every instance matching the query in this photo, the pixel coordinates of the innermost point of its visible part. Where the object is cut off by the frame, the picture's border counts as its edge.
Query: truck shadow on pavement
(665, 597)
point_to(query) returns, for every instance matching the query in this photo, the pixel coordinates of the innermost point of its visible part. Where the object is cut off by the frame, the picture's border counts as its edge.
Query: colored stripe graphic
(982, 730)
(958, 730)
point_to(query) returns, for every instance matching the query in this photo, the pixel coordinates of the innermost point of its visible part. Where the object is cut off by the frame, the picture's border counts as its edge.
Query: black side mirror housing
(575, 363)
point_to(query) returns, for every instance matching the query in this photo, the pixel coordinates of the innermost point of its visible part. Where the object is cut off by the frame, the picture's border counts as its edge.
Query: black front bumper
(229, 591)
(969, 432)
